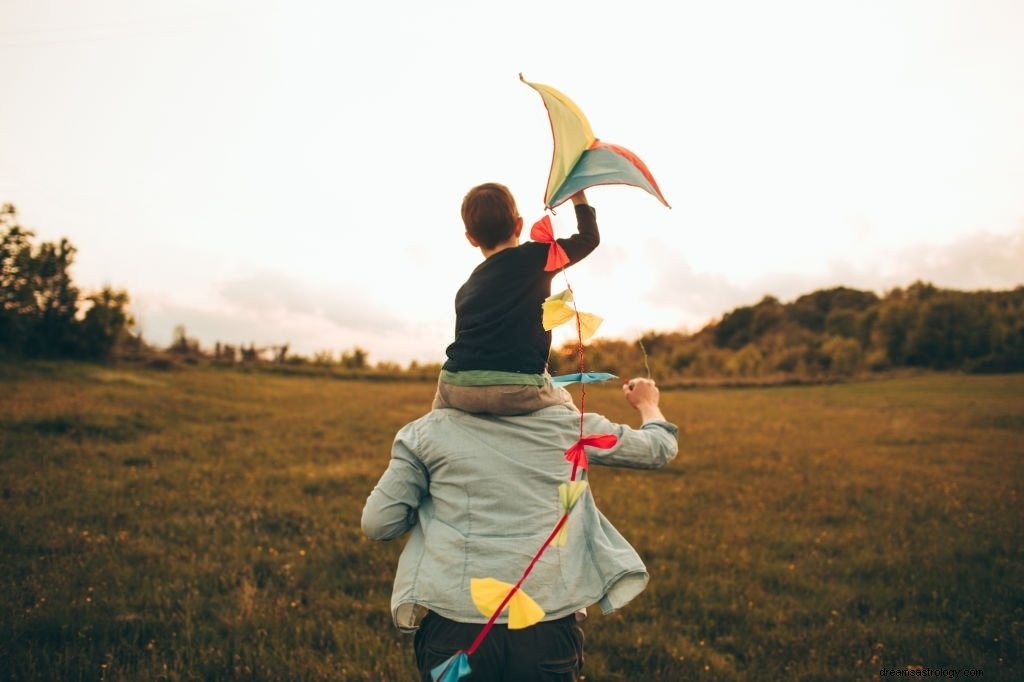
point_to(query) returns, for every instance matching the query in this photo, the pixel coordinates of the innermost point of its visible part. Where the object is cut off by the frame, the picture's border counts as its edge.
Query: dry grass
(204, 524)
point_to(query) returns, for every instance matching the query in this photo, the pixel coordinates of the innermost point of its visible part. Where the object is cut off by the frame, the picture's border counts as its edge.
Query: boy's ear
(519, 225)
(472, 241)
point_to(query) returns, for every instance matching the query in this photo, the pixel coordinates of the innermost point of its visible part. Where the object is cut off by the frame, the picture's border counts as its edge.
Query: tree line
(827, 333)
(837, 332)
(42, 312)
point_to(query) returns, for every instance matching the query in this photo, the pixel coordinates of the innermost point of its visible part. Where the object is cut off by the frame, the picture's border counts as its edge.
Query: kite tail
(515, 588)
(579, 351)
(453, 669)
(457, 666)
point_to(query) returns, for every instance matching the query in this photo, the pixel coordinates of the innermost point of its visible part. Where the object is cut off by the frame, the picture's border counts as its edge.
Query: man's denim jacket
(480, 495)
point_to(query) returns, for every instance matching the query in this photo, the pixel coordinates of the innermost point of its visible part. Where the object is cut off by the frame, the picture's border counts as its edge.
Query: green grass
(203, 524)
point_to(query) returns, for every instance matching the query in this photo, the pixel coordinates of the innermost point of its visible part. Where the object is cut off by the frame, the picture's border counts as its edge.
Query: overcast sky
(276, 172)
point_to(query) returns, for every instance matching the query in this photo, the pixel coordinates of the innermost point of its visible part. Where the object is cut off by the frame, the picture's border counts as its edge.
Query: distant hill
(837, 332)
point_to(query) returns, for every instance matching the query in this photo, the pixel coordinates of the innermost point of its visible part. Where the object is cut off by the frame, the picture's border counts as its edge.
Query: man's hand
(643, 394)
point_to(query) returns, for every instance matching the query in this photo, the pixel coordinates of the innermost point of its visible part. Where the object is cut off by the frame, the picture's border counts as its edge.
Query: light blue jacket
(480, 494)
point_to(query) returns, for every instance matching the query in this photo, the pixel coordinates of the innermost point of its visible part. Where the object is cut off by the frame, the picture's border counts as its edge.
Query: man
(480, 494)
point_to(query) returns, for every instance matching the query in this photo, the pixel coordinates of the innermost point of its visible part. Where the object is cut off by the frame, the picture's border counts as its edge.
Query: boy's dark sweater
(498, 310)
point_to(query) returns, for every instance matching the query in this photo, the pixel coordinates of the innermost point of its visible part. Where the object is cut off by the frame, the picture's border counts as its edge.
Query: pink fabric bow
(543, 232)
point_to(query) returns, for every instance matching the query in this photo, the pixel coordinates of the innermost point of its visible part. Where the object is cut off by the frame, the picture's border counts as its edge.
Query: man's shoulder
(553, 414)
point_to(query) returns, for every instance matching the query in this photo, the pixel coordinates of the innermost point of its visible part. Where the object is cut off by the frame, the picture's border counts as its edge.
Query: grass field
(203, 524)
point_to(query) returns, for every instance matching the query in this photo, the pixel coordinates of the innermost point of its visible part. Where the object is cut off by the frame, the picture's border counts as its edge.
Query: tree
(39, 300)
(16, 299)
(843, 322)
(812, 310)
(56, 299)
(950, 330)
(768, 315)
(896, 316)
(182, 345)
(843, 354)
(735, 329)
(355, 358)
(106, 323)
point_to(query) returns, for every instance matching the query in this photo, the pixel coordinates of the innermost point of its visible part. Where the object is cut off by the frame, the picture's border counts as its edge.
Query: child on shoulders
(497, 363)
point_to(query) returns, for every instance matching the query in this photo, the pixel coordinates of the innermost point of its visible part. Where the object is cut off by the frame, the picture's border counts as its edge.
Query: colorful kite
(580, 160)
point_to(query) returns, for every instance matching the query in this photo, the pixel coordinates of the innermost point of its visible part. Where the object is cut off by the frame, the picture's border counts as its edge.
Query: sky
(291, 172)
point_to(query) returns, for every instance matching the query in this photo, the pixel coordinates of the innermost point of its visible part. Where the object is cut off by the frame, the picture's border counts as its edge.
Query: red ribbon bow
(578, 455)
(542, 232)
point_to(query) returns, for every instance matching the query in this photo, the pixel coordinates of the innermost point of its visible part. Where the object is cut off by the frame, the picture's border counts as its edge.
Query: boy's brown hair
(490, 214)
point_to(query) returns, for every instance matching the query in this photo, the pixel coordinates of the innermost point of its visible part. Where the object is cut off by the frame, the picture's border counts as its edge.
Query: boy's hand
(579, 199)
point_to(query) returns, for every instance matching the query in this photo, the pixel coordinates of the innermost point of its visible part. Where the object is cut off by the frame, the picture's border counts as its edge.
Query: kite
(580, 160)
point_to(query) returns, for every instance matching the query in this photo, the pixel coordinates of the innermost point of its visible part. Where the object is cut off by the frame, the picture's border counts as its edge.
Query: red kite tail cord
(561, 522)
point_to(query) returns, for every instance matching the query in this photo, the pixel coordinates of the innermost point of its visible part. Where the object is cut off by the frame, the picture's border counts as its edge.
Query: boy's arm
(586, 239)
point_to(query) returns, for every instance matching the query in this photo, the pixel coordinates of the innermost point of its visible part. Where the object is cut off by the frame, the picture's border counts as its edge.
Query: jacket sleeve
(391, 508)
(652, 446)
(587, 237)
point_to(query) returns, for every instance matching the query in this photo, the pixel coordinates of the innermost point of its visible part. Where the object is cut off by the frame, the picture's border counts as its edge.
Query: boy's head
(490, 215)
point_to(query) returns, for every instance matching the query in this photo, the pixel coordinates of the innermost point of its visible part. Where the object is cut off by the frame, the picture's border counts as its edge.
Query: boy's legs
(504, 399)
(550, 650)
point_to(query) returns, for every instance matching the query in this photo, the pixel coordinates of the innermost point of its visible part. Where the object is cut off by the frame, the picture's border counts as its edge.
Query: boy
(497, 363)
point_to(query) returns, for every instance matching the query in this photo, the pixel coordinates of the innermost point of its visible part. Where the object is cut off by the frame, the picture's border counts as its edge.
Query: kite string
(647, 367)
